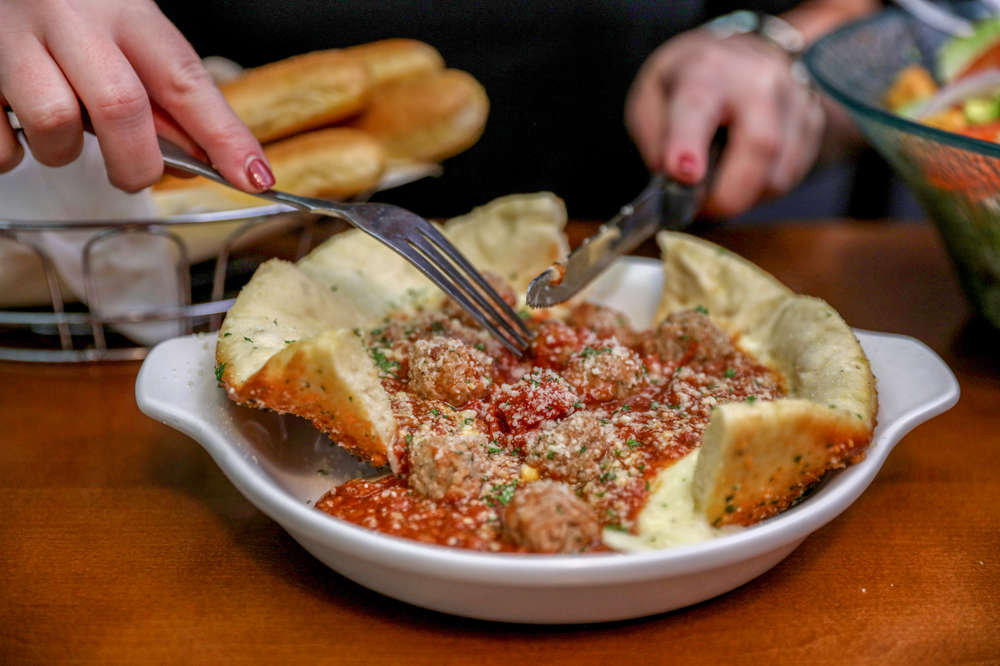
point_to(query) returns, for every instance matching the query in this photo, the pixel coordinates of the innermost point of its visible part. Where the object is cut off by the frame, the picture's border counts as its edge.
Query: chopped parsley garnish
(503, 493)
(384, 364)
(701, 309)
(751, 399)
(219, 369)
(633, 443)
(589, 351)
(730, 372)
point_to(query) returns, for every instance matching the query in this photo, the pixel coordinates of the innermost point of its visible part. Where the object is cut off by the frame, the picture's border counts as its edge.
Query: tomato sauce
(602, 413)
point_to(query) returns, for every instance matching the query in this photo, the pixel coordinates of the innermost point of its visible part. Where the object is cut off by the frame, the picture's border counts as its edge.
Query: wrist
(772, 30)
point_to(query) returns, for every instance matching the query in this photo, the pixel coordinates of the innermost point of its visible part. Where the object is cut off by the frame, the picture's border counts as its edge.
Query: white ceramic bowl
(282, 465)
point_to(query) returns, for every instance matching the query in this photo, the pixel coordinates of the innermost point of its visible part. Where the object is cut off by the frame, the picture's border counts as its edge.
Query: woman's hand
(133, 73)
(695, 83)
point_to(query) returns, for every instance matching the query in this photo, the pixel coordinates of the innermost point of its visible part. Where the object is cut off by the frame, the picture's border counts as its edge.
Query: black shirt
(556, 72)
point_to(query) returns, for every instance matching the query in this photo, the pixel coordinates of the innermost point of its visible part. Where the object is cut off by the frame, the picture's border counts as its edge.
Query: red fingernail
(260, 174)
(686, 164)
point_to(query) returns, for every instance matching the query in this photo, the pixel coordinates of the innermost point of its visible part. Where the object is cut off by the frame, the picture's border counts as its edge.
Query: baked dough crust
(758, 459)
(426, 118)
(288, 342)
(394, 59)
(299, 93)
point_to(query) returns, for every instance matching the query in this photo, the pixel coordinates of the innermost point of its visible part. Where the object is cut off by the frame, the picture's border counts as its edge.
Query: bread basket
(213, 255)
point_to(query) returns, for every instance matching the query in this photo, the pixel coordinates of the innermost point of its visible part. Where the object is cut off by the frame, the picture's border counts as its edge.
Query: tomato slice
(985, 60)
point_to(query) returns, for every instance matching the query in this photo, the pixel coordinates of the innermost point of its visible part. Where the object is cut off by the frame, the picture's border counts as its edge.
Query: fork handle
(174, 156)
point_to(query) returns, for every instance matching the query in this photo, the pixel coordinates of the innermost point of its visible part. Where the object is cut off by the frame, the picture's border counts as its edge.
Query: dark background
(556, 73)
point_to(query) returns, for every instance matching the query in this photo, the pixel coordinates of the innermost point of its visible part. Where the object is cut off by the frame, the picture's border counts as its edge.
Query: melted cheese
(669, 517)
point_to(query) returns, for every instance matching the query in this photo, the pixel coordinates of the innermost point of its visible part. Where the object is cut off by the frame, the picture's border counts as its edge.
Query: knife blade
(663, 204)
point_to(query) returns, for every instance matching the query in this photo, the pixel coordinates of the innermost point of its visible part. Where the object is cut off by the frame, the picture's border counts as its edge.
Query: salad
(962, 94)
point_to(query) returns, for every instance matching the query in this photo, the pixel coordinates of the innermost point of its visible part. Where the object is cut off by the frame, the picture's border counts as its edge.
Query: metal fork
(416, 239)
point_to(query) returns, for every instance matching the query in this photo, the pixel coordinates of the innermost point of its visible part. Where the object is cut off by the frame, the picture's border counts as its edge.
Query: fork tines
(439, 260)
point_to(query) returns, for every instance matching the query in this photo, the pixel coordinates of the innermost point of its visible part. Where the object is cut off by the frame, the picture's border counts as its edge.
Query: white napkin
(133, 273)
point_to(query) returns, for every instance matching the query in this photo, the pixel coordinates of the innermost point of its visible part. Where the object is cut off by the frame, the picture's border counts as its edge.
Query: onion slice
(986, 81)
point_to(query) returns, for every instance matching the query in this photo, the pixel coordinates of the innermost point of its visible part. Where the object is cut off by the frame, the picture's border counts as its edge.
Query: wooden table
(120, 541)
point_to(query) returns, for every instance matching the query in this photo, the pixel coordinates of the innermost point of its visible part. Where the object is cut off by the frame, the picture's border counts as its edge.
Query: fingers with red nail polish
(134, 74)
(695, 83)
(686, 169)
(260, 174)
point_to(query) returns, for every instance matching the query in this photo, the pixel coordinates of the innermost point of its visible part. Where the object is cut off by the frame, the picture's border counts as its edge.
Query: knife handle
(681, 202)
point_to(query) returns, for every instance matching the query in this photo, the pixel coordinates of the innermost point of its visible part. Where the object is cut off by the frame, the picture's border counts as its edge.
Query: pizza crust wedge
(289, 342)
(757, 459)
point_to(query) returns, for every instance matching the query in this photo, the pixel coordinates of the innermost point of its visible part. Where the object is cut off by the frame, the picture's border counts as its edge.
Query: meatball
(687, 335)
(572, 450)
(547, 517)
(605, 372)
(446, 466)
(537, 396)
(455, 311)
(474, 336)
(449, 370)
(606, 322)
(555, 342)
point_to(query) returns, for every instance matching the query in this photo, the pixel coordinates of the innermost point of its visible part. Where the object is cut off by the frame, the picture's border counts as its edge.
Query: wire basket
(82, 330)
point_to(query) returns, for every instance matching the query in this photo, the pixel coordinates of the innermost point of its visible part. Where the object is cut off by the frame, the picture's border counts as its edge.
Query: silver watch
(776, 31)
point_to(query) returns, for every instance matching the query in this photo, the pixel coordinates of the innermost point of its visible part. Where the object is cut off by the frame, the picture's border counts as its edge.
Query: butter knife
(663, 204)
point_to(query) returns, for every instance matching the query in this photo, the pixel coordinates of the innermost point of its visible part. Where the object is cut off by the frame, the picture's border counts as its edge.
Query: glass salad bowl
(955, 178)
